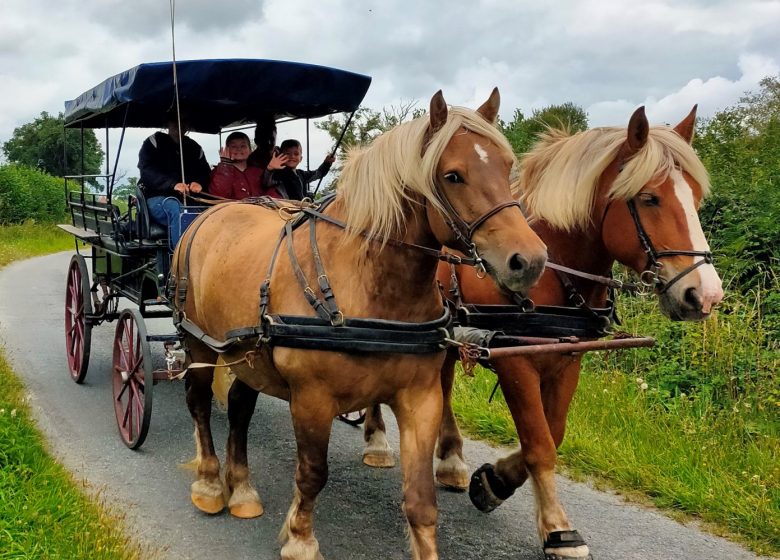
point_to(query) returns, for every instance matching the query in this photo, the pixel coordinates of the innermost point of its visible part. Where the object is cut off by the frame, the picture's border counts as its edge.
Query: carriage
(129, 254)
(396, 354)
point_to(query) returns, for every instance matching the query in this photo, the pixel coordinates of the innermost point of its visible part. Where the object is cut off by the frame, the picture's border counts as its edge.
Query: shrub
(29, 194)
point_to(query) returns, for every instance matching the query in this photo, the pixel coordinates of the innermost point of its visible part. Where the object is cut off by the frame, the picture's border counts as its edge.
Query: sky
(607, 56)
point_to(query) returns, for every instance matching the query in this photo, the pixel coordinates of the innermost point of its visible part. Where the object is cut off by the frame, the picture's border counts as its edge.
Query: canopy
(217, 93)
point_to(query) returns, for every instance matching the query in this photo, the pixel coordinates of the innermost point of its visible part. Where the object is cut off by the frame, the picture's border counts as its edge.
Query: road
(358, 514)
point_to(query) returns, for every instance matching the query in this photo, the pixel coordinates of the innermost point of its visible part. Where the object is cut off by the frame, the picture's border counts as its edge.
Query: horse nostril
(692, 298)
(517, 263)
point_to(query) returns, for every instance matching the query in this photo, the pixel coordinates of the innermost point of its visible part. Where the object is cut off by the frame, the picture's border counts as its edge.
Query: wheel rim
(132, 380)
(77, 331)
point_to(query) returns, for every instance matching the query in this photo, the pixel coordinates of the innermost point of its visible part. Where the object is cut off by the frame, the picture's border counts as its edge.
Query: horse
(629, 195)
(440, 179)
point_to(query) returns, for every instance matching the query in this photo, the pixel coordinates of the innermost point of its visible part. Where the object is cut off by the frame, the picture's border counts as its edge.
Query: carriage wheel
(355, 418)
(132, 378)
(78, 329)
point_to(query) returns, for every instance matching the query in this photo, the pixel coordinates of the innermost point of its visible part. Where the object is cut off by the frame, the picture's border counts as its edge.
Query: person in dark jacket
(283, 174)
(265, 140)
(161, 180)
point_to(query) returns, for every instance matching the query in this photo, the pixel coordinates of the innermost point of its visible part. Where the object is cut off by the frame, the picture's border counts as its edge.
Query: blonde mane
(559, 177)
(378, 182)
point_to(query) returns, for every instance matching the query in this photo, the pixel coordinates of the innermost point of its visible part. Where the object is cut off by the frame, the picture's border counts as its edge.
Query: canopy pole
(336, 147)
(176, 96)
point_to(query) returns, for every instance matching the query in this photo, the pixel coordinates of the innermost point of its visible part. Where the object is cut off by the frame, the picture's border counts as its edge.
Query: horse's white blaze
(481, 152)
(710, 286)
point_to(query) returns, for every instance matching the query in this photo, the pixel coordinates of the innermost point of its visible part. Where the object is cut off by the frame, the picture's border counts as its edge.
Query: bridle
(650, 276)
(464, 231)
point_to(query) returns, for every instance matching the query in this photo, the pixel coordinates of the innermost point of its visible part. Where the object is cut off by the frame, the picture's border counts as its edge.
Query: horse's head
(472, 207)
(650, 218)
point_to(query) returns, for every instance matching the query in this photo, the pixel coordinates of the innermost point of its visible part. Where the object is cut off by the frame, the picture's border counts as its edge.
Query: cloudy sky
(608, 56)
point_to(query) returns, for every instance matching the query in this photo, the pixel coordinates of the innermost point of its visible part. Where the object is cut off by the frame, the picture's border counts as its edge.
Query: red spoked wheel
(78, 329)
(132, 378)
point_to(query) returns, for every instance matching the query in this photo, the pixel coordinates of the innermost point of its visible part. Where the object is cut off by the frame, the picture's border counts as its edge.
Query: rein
(650, 276)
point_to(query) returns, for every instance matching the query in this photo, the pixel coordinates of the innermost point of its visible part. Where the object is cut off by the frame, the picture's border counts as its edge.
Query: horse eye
(453, 177)
(649, 199)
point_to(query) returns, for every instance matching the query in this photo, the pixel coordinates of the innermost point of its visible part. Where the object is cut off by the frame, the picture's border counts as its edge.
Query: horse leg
(451, 471)
(312, 421)
(554, 526)
(377, 452)
(418, 410)
(206, 491)
(244, 501)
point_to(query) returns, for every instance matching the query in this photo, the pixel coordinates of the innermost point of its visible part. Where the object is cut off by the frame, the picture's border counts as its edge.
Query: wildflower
(13, 413)
(643, 386)
(639, 380)
(2, 411)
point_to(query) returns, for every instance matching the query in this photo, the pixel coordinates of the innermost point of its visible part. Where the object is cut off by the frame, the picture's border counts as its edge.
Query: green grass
(691, 424)
(44, 512)
(31, 239)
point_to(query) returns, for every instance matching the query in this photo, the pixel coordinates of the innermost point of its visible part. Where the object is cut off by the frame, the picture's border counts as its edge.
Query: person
(283, 175)
(161, 181)
(265, 140)
(233, 177)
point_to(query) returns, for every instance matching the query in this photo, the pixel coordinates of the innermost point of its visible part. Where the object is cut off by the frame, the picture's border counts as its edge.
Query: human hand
(195, 187)
(180, 187)
(330, 158)
(277, 162)
(224, 153)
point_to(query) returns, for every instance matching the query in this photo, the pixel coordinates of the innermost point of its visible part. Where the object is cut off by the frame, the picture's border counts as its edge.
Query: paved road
(358, 513)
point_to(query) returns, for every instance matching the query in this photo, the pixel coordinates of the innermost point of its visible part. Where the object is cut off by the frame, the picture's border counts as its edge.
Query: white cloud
(608, 56)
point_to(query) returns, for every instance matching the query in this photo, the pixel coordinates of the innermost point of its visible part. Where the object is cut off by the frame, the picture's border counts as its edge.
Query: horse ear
(489, 109)
(687, 125)
(638, 129)
(438, 112)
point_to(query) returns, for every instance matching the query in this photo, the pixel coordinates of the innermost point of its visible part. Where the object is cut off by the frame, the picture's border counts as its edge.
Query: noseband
(650, 276)
(464, 231)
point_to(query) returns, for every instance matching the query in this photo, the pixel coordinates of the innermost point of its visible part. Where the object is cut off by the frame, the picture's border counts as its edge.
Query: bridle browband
(650, 276)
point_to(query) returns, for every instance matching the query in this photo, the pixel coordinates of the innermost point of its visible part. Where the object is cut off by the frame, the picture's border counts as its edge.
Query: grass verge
(44, 512)
(691, 424)
(21, 241)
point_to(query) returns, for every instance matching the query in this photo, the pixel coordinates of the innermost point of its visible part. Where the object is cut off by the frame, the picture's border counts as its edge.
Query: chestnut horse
(440, 179)
(599, 196)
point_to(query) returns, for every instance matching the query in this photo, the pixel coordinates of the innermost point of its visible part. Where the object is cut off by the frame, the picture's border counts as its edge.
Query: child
(283, 174)
(233, 178)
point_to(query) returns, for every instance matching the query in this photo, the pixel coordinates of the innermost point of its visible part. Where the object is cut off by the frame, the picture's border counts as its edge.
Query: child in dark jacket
(291, 182)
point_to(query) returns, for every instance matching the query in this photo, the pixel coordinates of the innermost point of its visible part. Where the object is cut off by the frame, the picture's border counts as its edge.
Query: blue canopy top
(217, 93)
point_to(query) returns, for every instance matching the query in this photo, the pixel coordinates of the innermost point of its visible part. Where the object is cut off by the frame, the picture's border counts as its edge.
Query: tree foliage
(522, 132)
(42, 145)
(27, 194)
(740, 146)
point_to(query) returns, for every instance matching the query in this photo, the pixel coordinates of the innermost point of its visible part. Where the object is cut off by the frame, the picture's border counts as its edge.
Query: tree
(522, 132)
(367, 123)
(41, 145)
(126, 189)
(740, 147)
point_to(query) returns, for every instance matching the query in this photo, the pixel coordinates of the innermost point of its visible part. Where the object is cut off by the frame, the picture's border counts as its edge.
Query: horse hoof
(301, 549)
(208, 504)
(487, 491)
(566, 545)
(247, 510)
(452, 473)
(379, 460)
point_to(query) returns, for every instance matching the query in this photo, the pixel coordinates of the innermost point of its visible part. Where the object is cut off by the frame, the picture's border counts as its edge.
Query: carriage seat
(147, 228)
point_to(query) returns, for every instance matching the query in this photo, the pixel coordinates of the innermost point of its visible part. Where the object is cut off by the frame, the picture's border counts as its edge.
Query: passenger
(161, 179)
(282, 172)
(265, 140)
(233, 178)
